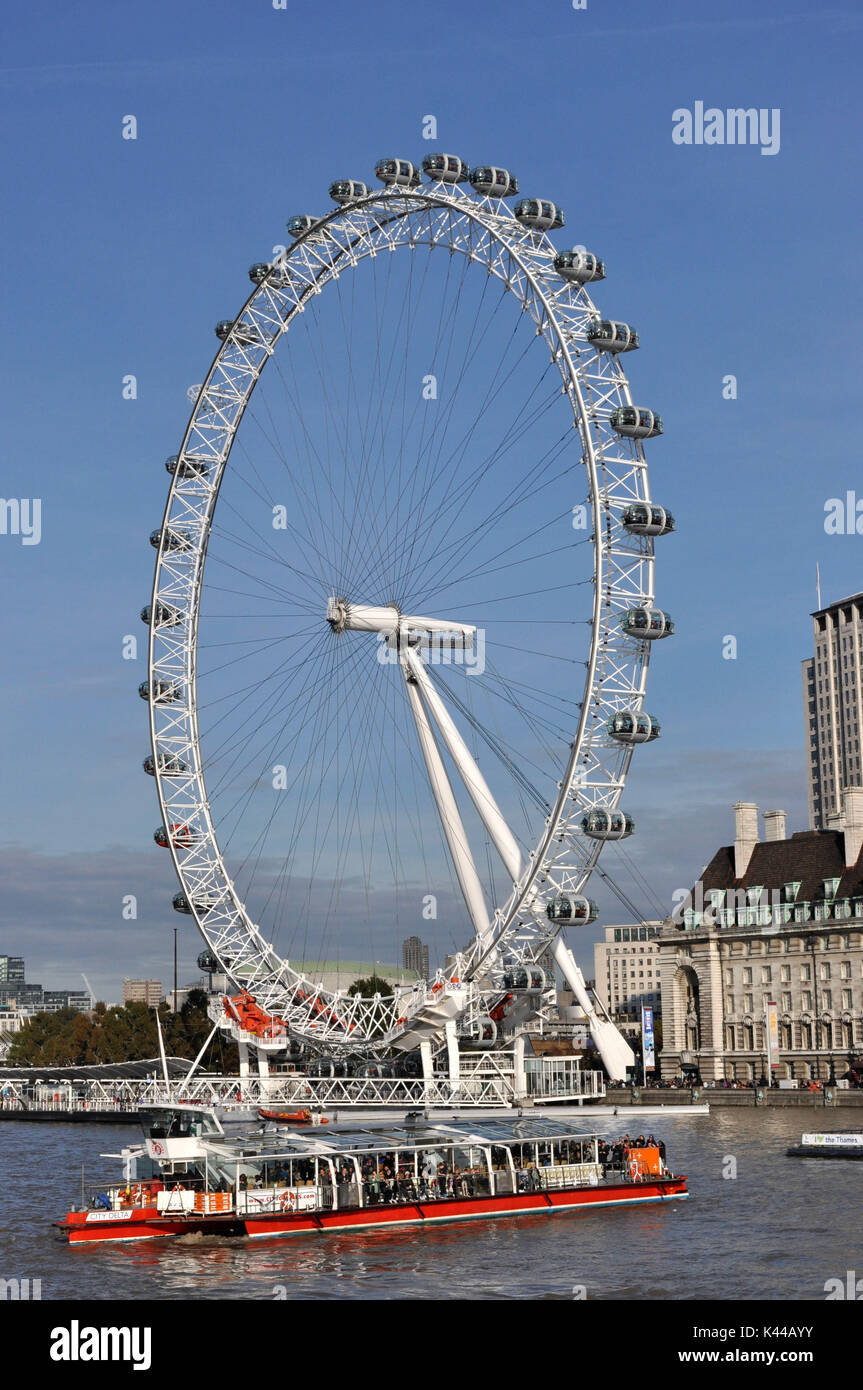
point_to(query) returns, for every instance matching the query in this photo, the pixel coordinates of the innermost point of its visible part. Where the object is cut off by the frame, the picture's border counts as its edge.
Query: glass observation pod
(398, 172)
(346, 190)
(245, 334)
(494, 183)
(635, 422)
(165, 615)
(340, 1067)
(633, 726)
(161, 693)
(646, 623)
(169, 766)
(608, 336)
(300, 223)
(577, 910)
(600, 824)
(482, 1031)
(532, 979)
(190, 467)
(646, 519)
(540, 214)
(181, 836)
(173, 540)
(446, 168)
(180, 903)
(206, 960)
(579, 266)
(259, 272)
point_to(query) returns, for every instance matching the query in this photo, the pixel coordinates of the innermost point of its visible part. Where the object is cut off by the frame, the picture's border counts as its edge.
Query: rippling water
(778, 1230)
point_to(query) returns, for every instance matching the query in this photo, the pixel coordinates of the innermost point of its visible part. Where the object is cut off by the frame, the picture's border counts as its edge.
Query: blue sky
(120, 256)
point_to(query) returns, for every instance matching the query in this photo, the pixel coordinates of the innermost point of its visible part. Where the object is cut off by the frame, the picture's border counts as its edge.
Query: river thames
(779, 1229)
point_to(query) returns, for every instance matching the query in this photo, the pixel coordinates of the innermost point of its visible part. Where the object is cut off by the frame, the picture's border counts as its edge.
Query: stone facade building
(779, 920)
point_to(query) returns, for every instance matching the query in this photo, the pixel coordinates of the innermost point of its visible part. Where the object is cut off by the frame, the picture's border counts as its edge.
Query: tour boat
(192, 1177)
(829, 1145)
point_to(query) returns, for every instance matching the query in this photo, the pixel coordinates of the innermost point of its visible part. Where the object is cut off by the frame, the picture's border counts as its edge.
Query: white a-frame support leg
(450, 819)
(487, 808)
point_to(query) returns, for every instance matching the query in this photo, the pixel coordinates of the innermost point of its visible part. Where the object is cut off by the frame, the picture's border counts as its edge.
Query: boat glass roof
(375, 1139)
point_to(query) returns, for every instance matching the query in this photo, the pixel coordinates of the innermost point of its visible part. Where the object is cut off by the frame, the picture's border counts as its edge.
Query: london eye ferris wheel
(402, 611)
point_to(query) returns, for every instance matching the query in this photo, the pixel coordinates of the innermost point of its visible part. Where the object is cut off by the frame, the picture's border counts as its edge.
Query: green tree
(370, 986)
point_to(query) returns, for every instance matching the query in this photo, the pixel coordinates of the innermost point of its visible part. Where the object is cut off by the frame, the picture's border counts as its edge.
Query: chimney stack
(774, 825)
(850, 821)
(745, 835)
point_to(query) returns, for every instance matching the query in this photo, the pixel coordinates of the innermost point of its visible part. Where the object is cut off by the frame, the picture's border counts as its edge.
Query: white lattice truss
(484, 230)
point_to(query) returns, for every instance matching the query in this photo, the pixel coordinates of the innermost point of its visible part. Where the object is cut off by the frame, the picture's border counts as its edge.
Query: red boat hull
(146, 1223)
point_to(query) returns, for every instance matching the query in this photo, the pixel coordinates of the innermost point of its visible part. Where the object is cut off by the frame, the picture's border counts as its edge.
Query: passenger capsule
(166, 616)
(635, 422)
(579, 266)
(169, 766)
(539, 214)
(608, 336)
(190, 466)
(202, 906)
(245, 334)
(397, 172)
(259, 272)
(160, 693)
(577, 910)
(301, 223)
(646, 519)
(347, 190)
(173, 539)
(446, 168)
(482, 1031)
(182, 836)
(206, 960)
(493, 183)
(633, 726)
(601, 824)
(646, 623)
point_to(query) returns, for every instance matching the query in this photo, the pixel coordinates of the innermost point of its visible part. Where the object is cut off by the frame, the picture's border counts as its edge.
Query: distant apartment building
(147, 992)
(833, 704)
(11, 970)
(626, 966)
(415, 957)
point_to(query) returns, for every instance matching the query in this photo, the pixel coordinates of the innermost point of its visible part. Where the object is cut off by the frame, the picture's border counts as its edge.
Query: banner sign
(647, 1038)
(772, 1029)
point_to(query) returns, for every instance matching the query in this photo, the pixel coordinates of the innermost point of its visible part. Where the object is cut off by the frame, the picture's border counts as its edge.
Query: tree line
(122, 1033)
